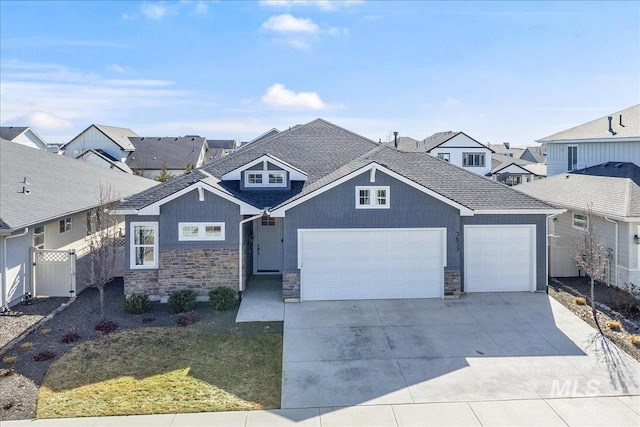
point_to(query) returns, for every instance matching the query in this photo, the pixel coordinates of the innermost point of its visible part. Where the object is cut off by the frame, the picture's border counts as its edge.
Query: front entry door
(268, 243)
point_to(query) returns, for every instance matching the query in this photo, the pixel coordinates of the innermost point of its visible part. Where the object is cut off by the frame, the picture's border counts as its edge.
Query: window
(38, 237)
(444, 156)
(572, 158)
(65, 225)
(580, 221)
(473, 159)
(200, 231)
(144, 245)
(372, 197)
(267, 221)
(265, 179)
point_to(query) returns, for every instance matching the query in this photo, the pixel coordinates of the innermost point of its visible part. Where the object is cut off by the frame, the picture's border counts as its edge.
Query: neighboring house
(23, 135)
(535, 154)
(406, 143)
(338, 216)
(113, 141)
(101, 158)
(268, 134)
(44, 200)
(506, 149)
(218, 148)
(178, 154)
(613, 138)
(512, 171)
(613, 191)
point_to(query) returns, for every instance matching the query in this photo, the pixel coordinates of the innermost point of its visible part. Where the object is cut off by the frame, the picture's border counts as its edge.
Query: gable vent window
(372, 197)
(473, 159)
(254, 178)
(265, 179)
(200, 231)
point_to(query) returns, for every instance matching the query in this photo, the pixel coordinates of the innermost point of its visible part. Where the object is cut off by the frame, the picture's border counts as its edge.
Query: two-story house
(110, 140)
(612, 138)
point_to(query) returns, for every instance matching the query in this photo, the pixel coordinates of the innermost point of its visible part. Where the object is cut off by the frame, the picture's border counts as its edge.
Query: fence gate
(54, 272)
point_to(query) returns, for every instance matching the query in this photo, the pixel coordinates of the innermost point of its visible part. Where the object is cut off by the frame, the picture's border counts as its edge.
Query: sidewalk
(584, 411)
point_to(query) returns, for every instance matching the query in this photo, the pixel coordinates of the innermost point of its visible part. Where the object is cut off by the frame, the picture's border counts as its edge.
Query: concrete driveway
(482, 347)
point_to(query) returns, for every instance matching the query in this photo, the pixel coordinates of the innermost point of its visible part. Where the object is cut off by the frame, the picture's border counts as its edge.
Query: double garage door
(341, 264)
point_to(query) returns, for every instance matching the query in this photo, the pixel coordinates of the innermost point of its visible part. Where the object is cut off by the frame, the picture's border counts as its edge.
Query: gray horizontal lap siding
(409, 208)
(540, 221)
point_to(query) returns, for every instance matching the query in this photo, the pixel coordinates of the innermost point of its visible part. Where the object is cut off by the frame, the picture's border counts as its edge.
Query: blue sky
(499, 71)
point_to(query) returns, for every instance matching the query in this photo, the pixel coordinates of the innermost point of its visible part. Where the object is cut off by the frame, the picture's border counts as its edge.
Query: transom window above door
(372, 197)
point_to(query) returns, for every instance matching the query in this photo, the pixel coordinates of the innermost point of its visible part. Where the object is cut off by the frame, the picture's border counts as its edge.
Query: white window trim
(44, 238)
(373, 200)
(265, 178)
(573, 221)
(132, 246)
(441, 156)
(65, 225)
(471, 153)
(201, 231)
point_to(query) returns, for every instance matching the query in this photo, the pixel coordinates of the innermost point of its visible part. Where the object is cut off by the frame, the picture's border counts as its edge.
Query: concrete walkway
(262, 300)
(586, 411)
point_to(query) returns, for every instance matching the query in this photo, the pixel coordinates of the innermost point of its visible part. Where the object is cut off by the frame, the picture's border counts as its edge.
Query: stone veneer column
(452, 282)
(291, 286)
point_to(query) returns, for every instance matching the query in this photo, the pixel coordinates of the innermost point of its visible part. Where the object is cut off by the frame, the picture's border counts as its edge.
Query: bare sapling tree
(590, 255)
(103, 233)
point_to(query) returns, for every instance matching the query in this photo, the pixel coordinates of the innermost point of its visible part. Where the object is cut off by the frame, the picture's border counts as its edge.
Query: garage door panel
(363, 264)
(499, 258)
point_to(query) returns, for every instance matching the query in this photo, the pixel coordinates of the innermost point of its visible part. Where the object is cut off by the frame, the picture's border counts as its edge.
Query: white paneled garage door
(339, 264)
(499, 258)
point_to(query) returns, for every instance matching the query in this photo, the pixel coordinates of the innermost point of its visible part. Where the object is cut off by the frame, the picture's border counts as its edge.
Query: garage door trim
(532, 249)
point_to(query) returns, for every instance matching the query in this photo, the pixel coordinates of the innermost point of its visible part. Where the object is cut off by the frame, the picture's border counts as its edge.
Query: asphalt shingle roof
(326, 152)
(57, 185)
(227, 144)
(176, 152)
(10, 132)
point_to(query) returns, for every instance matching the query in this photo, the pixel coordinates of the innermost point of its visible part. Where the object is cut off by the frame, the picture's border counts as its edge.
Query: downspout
(548, 252)
(4, 267)
(244, 221)
(615, 258)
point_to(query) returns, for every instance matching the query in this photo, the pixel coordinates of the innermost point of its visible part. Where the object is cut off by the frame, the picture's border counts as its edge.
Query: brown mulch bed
(566, 296)
(19, 380)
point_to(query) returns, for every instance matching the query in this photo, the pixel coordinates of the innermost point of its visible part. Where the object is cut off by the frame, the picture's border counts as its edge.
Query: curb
(35, 327)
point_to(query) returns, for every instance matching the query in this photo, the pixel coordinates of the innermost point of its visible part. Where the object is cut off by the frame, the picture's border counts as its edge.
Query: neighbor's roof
(538, 153)
(406, 143)
(120, 136)
(617, 197)
(57, 185)
(613, 169)
(327, 152)
(227, 144)
(502, 149)
(599, 128)
(499, 161)
(10, 132)
(175, 152)
(539, 169)
(107, 158)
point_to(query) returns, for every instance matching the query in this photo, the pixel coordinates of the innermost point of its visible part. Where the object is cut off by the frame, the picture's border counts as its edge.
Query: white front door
(268, 245)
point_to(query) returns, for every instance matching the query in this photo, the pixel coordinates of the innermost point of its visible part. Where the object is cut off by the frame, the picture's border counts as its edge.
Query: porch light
(636, 239)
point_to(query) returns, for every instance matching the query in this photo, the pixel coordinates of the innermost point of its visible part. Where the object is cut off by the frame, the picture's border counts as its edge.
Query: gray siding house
(337, 216)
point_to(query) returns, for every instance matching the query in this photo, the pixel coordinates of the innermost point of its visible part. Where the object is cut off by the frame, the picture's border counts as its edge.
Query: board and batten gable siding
(591, 154)
(188, 208)
(541, 243)
(94, 139)
(336, 208)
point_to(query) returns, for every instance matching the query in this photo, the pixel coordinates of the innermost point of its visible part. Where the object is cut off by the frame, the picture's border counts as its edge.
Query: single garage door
(339, 264)
(499, 258)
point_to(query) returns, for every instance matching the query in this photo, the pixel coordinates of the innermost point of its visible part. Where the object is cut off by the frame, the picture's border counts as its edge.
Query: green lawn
(164, 370)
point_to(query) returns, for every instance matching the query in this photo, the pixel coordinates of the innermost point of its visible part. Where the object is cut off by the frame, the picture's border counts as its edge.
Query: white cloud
(335, 31)
(153, 11)
(280, 97)
(115, 68)
(324, 5)
(289, 24)
(46, 121)
(201, 8)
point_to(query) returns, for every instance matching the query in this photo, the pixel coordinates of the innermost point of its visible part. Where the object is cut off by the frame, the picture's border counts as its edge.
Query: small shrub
(182, 301)
(44, 355)
(69, 337)
(580, 301)
(186, 319)
(137, 304)
(635, 340)
(10, 360)
(224, 298)
(106, 327)
(26, 345)
(148, 319)
(614, 325)
(45, 331)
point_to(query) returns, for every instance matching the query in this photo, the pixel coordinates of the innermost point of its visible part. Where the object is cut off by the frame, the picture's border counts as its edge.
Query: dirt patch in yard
(22, 317)
(21, 376)
(622, 338)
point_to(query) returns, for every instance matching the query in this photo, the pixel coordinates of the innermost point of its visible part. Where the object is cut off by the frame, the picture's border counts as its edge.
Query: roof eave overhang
(548, 211)
(584, 140)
